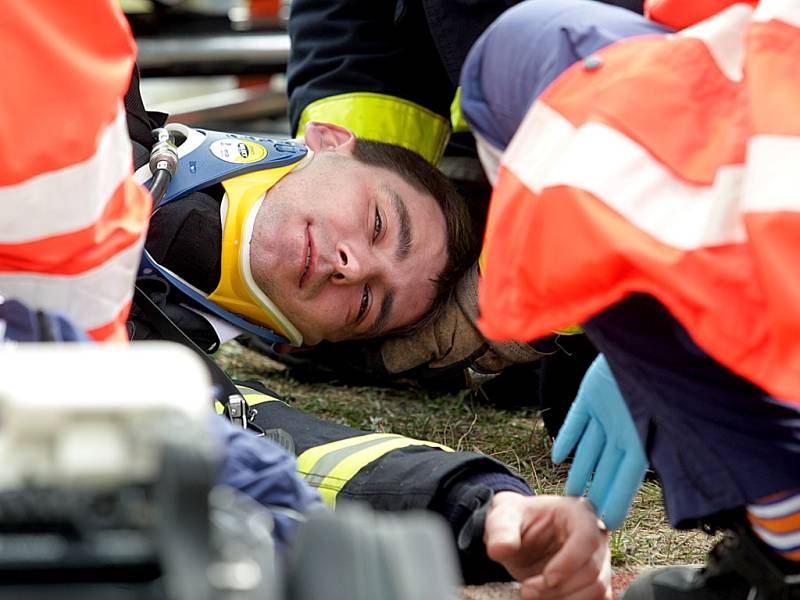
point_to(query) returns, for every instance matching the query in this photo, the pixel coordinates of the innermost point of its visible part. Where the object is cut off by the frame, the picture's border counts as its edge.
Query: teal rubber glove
(601, 427)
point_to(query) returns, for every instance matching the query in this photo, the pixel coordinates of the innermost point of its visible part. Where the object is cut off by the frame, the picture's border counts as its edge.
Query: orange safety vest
(671, 169)
(679, 14)
(72, 220)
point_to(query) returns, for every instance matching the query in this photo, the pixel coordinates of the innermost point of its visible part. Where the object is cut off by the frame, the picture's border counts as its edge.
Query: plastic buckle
(237, 410)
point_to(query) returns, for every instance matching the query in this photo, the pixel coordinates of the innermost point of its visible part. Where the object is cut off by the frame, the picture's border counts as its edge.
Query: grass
(518, 438)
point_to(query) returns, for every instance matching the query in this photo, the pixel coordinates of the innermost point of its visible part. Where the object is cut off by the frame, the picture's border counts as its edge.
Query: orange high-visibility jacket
(679, 14)
(672, 168)
(71, 219)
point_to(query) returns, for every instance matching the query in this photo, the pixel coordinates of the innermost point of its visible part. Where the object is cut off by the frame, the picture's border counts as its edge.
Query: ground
(517, 437)
(510, 591)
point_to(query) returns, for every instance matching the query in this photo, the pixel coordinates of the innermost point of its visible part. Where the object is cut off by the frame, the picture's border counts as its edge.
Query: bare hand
(555, 546)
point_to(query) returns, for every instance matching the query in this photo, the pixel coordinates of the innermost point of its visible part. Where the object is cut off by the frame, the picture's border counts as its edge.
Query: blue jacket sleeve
(264, 471)
(526, 48)
(20, 323)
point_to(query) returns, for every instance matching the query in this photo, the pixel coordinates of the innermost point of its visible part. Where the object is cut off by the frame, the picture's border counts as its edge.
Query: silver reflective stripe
(322, 467)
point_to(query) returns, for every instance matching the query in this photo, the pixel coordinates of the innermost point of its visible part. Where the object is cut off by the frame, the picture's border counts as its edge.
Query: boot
(740, 567)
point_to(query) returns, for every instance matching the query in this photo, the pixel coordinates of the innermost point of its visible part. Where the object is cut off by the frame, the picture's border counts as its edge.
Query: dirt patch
(491, 591)
(510, 591)
(620, 580)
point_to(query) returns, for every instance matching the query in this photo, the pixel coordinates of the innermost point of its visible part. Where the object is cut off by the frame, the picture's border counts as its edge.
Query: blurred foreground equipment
(104, 491)
(107, 492)
(224, 54)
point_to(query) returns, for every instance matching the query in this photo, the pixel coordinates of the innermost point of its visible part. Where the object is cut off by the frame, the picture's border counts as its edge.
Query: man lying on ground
(649, 192)
(356, 240)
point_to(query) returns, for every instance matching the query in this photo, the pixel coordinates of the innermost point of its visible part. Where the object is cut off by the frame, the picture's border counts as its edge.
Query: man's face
(347, 250)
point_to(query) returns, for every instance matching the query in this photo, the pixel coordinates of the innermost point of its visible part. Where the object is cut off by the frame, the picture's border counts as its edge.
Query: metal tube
(218, 54)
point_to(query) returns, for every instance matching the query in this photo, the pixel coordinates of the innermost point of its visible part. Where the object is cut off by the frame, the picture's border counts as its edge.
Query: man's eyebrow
(406, 236)
(384, 313)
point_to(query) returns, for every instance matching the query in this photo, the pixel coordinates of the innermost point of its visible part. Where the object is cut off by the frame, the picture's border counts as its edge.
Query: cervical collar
(247, 167)
(237, 290)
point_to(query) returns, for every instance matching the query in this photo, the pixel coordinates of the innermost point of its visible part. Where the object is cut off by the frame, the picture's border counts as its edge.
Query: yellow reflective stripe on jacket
(571, 330)
(457, 120)
(308, 459)
(383, 118)
(251, 398)
(329, 467)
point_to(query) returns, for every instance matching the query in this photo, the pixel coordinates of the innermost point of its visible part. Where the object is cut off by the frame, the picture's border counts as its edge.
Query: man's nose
(352, 264)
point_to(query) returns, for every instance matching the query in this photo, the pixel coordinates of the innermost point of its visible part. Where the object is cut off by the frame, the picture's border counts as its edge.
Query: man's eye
(378, 225)
(362, 310)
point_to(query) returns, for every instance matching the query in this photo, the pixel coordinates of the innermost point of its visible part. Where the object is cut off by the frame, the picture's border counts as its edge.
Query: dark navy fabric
(21, 324)
(525, 49)
(717, 441)
(411, 49)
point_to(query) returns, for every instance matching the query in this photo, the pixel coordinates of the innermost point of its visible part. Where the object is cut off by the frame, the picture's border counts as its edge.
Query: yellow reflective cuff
(571, 330)
(457, 120)
(330, 479)
(218, 407)
(383, 118)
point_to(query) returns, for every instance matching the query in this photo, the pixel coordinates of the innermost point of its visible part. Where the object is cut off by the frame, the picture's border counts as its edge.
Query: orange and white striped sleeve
(666, 166)
(72, 221)
(680, 14)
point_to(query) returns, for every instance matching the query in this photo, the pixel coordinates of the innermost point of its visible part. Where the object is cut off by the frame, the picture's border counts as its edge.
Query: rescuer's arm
(371, 67)
(392, 472)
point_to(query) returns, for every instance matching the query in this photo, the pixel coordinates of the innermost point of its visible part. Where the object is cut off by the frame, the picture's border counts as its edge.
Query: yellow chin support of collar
(237, 290)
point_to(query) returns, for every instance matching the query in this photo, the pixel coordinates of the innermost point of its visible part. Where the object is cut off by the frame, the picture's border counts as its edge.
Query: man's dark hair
(463, 241)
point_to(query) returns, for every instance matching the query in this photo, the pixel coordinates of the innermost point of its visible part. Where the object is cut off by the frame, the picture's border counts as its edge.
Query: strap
(226, 393)
(148, 262)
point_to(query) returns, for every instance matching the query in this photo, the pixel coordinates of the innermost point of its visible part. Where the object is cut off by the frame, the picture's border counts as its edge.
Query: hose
(159, 186)
(163, 164)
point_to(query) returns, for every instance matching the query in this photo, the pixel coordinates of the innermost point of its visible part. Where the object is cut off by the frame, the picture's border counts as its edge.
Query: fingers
(595, 590)
(552, 544)
(586, 456)
(592, 581)
(520, 534)
(604, 477)
(628, 479)
(582, 579)
(570, 432)
(502, 532)
(586, 539)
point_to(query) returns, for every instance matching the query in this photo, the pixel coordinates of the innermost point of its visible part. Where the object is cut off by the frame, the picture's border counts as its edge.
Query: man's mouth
(307, 263)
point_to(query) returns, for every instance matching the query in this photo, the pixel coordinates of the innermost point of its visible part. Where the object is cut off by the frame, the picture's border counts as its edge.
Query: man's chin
(310, 338)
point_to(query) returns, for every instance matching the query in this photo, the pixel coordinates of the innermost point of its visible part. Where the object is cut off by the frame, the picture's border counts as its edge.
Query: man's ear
(320, 137)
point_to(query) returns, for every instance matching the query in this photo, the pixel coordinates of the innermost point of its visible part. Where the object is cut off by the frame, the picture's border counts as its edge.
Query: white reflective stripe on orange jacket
(670, 169)
(71, 219)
